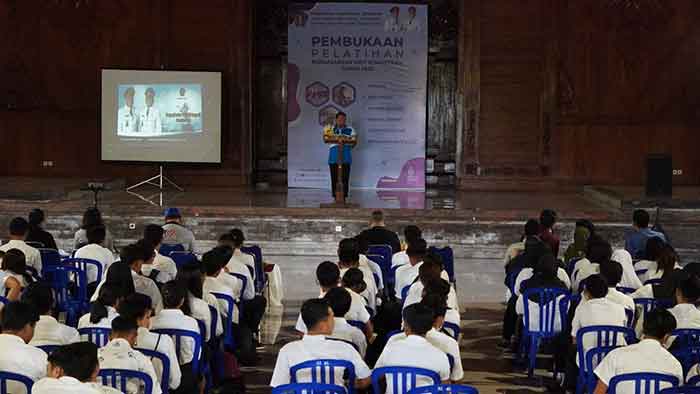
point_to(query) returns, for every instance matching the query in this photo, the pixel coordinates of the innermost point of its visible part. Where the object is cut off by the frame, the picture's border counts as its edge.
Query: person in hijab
(578, 248)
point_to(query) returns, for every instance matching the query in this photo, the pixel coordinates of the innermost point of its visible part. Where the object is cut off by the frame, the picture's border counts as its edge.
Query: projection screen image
(161, 116)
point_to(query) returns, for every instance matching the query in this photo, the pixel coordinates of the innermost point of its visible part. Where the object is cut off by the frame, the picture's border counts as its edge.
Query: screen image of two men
(155, 110)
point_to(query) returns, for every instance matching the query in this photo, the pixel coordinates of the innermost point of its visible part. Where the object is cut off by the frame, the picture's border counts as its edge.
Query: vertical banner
(369, 61)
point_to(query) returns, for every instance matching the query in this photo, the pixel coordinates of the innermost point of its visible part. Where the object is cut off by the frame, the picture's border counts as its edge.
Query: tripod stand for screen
(157, 181)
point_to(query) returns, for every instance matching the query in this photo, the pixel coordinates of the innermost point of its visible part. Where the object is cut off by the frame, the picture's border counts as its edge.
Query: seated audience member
(118, 277)
(119, 353)
(612, 273)
(339, 300)
(636, 239)
(175, 232)
(411, 234)
(18, 320)
(161, 269)
(237, 239)
(47, 331)
(36, 233)
(137, 307)
(9, 285)
(104, 309)
(516, 259)
(629, 279)
(19, 228)
(545, 276)
(172, 317)
(354, 280)
(318, 316)
(92, 217)
(548, 218)
(649, 355)
(437, 337)
(415, 350)
(328, 277)
(666, 270)
(370, 265)
(349, 257)
(431, 269)
(406, 274)
(659, 261)
(218, 281)
(235, 265)
(577, 249)
(438, 288)
(72, 369)
(528, 272)
(190, 277)
(134, 256)
(685, 312)
(95, 251)
(14, 266)
(598, 251)
(378, 234)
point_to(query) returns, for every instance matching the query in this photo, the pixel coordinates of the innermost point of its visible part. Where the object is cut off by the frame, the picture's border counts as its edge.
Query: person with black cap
(175, 232)
(37, 233)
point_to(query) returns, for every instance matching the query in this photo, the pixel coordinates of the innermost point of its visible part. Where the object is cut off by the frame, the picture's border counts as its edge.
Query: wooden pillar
(469, 80)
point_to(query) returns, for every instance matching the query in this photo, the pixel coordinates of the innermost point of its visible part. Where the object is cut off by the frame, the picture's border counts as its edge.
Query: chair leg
(532, 357)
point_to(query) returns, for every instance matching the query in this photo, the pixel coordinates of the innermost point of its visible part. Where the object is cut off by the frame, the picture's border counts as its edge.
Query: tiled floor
(486, 366)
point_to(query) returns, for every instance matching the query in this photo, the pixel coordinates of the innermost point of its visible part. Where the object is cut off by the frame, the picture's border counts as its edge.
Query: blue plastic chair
(358, 324)
(14, 377)
(214, 321)
(630, 317)
(445, 388)
(166, 249)
(625, 290)
(385, 264)
(308, 388)
(404, 293)
(687, 389)
(74, 304)
(260, 278)
(641, 272)
(606, 337)
(4, 301)
(571, 264)
(550, 307)
(686, 345)
(227, 319)
(593, 358)
(83, 264)
(324, 372)
(694, 381)
(451, 329)
(649, 382)
(402, 379)
(178, 335)
(181, 257)
(97, 335)
(118, 378)
(49, 258)
(244, 286)
(448, 260)
(48, 349)
(649, 304)
(35, 244)
(653, 282)
(165, 362)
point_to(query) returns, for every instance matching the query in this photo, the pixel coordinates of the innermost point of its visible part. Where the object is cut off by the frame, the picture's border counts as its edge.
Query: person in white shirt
(328, 277)
(411, 233)
(149, 119)
(545, 276)
(652, 251)
(663, 269)
(127, 116)
(415, 350)
(238, 238)
(598, 251)
(629, 279)
(218, 281)
(95, 251)
(91, 217)
(649, 355)
(9, 285)
(349, 257)
(685, 312)
(172, 317)
(48, 331)
(612, 272)
(18, 320)
(103, 310)
(175, 232)
(162, 269)
(19, 227)
(138, 307)
(339, 300)
(119, 353)
(239, 265)
(406, 274)
(14, 266)
(318, 316)
(72, 369)
(392, 23)
(190, 277)
(429, 270)
(412, 23)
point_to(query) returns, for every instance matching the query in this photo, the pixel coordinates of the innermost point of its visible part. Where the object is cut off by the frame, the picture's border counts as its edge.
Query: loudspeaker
(659, 175)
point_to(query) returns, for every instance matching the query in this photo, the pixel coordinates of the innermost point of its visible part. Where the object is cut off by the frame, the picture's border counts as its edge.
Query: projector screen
(161, 116)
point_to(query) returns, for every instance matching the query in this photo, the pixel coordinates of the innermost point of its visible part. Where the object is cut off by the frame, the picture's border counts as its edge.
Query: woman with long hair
(104, 309)
(36, 233)
(91, 217)
(197, 304)
(14, 264)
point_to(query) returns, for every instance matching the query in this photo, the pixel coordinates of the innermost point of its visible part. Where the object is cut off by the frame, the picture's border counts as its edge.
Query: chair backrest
(75, 303)
(593, 357)
(308, 388)
(404, 293)
(646, 305)
(644, 382)
(48, 349)
(256, 252)
(244, 281)
(165, 362)
(118, 379)
(49, 257)
(605, 336)
(358, 324)
(227, 317)
(384, 263)
(35, 244)
(400, 380)
(694, 381)
(445, 388)
(641, 272)
(6, 377)
(653, 282)
(687, 389)
(97, 335)
(452, 329)
(686, 345)
(214, 320)
(549, 309)
(181, 257)
(178, 335)
(625, 290)
(166, 249)
(448, 260)
(324, 372)
(83, 264)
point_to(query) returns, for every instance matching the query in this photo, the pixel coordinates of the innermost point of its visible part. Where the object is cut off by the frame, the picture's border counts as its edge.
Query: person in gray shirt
(176, 232)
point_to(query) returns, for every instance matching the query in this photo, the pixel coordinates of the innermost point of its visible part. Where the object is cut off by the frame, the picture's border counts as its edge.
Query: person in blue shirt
(636, 239)
(341, 128)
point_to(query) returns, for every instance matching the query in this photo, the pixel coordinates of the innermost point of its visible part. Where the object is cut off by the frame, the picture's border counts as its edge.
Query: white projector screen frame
(170, 136)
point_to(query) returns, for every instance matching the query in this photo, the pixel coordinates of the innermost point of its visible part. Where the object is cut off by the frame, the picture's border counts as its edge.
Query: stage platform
(297, 234)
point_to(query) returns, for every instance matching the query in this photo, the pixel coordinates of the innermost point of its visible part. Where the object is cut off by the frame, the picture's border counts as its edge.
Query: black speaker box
(659, 176)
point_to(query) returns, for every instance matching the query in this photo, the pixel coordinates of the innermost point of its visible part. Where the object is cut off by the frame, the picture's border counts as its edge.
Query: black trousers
(334, 177)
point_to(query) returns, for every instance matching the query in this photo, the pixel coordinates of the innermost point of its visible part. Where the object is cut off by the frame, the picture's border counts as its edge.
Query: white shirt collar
(49, 319)
(171, 312)
(12, 338)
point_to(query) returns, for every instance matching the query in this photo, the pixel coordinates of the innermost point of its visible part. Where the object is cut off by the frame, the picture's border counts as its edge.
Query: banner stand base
(156, 181)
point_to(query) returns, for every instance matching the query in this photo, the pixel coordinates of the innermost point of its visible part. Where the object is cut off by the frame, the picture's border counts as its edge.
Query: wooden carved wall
(50, 59)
